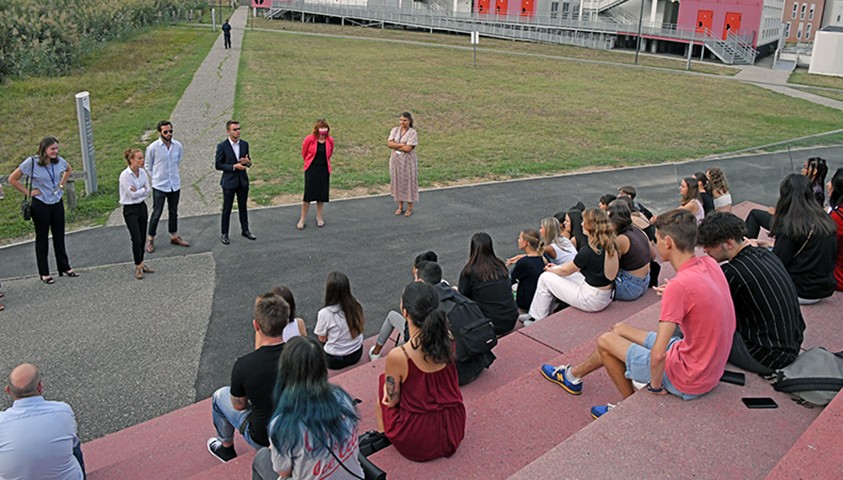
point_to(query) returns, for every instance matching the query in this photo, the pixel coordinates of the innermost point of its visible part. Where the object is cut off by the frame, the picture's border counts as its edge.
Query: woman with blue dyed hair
(313, 431)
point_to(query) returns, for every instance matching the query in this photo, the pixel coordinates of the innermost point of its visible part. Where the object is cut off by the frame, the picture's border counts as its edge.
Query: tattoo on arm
(390, 387)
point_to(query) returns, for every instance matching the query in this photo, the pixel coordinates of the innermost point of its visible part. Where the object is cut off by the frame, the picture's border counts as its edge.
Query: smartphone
(736, 378)
(759, 402)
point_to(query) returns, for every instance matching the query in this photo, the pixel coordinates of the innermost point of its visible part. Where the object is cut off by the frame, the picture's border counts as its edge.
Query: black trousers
(757, 219)
(135, 218)
(227, 38)
(337, 362)
(158, 198)
(49, 219)
(228, 194)
(740, 357)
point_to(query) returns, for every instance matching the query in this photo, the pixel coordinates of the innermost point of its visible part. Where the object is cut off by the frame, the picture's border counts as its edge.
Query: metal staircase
(734, 50)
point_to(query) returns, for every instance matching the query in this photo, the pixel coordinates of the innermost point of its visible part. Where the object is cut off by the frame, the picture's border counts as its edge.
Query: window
(808, 31)
(799, 32)
(787, 30)
(811, 12)
(566, 8)
(802, 11)
(795, 9)
(554, 9)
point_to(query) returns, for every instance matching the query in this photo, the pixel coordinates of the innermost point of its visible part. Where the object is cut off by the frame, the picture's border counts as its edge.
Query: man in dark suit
(233, 159)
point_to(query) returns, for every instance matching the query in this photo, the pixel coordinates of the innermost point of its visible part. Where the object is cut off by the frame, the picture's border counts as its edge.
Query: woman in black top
(485, 280)
(316, 150)
(706, 197)
(635, 251)
(528, 268)
(806, 239)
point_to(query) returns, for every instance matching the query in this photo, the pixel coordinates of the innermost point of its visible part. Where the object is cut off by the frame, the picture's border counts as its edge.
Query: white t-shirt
(565, 251)
(331, 323)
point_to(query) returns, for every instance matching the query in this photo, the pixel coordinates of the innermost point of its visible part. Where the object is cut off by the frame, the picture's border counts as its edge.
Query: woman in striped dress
(403, 164)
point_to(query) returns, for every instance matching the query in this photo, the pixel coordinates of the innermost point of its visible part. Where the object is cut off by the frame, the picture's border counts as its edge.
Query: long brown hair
(601, 233)
(693, 192)
(482, 262)
(338, 292)
(46, 143)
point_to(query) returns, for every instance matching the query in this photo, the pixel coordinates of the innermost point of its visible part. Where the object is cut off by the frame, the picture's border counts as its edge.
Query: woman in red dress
(421, 409)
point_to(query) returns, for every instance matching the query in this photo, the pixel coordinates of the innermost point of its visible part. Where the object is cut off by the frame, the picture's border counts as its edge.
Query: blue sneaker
(557, 376)
(598, 411)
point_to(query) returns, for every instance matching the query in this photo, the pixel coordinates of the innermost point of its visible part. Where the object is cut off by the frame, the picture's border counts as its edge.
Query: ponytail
(421, 302)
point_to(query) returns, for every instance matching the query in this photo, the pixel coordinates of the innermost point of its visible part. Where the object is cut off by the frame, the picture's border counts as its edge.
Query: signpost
(86, 140)
(475, 39)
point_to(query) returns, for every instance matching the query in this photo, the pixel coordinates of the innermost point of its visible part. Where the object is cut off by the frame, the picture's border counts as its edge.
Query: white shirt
(163, 164)
(236, 147)
(129, 180)
(331, 323)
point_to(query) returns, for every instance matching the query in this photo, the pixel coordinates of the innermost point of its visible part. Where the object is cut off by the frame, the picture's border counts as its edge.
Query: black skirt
(316, 178)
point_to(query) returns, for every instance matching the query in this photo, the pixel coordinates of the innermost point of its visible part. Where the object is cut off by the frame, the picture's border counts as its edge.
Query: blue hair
(305, 403)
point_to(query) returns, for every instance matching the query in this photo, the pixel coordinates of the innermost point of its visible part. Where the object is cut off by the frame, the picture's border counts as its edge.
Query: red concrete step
(818, 453)
(823, 322)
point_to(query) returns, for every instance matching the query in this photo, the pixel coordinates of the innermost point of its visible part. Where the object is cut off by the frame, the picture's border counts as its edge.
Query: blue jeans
(628, 287)
(638, 365)
(227, 419)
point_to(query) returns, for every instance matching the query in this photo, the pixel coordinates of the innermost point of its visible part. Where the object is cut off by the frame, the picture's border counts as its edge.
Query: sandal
(2, 307)
(300, 226)
(399, 212)
(48, 280)
(320, 223)
(409, 212)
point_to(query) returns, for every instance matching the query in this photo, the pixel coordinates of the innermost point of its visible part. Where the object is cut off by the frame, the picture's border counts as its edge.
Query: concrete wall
(827, 56)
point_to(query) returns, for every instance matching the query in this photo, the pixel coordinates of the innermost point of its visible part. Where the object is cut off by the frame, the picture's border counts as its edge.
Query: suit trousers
(49, 219)
(135, 218)
(228, 194)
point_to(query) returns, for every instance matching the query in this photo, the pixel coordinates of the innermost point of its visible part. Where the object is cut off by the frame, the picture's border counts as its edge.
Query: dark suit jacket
(225, 160)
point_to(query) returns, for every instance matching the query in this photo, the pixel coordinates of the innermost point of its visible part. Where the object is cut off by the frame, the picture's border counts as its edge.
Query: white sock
(570, 376)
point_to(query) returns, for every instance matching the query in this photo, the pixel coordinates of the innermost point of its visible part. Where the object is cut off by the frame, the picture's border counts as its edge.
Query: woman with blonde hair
(719, 187)
(556, 247)
(585, 282)
(134, 188)
(528, 268)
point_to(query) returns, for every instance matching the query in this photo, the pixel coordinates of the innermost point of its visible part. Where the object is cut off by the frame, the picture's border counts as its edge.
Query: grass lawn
(802, 77)
(133, 84)
(512, 116)
(616, 56)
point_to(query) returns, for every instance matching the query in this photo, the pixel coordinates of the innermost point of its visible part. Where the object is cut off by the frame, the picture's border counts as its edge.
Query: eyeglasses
(166, 131)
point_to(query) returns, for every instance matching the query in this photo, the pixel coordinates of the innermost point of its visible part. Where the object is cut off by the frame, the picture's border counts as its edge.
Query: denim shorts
(628, 287)
(638, 365)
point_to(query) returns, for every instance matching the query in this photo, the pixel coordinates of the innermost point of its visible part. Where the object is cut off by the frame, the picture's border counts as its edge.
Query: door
(483, 6)
(500, 7)
(527, 8)
(733, 24)
(704, 19)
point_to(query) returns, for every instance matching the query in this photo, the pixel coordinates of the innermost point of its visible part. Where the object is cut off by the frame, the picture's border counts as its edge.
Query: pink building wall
(750, 11)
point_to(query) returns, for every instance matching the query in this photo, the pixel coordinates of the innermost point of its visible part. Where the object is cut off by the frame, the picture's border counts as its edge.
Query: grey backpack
(814, 378)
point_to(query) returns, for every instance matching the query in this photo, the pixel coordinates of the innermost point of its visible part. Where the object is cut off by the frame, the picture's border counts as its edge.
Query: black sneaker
(224, 454)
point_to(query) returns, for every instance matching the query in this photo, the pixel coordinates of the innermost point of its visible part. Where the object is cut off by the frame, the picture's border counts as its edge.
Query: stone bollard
(70, 194)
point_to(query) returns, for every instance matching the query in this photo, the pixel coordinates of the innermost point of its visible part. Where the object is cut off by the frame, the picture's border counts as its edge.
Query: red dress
(429, 420)
(837, 216)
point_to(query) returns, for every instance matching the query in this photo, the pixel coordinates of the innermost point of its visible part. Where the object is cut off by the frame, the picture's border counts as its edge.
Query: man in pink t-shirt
(697, 300)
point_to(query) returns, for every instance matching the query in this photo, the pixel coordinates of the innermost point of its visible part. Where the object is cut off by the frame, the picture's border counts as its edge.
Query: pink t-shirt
(698, 300)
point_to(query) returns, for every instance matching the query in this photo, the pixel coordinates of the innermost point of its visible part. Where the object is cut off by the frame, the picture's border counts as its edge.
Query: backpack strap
(807, 384)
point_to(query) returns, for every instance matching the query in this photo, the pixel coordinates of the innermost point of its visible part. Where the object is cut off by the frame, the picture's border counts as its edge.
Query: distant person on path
(226, 34)
(48, 173)
(316, 150)
(403, 164)
(313, 431)
(340, 323)
(697, 300)
(233, 159)
(835, 202)
(247, 404)
(162, 162)
(719, 188)
(421, 408)
(38, 438)
(770, 327)
(134, 188)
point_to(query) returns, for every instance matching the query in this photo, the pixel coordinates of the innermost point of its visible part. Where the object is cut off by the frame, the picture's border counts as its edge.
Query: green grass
(133, 84)
(513, 116)
(802, 77)
(620, 57)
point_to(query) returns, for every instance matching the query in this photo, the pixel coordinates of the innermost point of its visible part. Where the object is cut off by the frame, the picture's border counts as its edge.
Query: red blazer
(308, 150)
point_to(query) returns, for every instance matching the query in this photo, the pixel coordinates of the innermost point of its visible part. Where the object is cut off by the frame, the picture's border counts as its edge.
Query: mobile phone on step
(759, 402)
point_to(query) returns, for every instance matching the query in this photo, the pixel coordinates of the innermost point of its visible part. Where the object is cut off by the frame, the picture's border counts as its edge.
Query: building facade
(802, 20)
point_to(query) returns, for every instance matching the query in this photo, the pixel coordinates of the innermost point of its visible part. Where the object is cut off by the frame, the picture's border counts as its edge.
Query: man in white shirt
(38, 438)
(163, 158)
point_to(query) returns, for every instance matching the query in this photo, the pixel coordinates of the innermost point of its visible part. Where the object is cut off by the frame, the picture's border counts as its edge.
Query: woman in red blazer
(316, 150)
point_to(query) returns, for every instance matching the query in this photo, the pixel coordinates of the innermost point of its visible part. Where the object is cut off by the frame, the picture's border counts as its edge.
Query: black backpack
(474, 334)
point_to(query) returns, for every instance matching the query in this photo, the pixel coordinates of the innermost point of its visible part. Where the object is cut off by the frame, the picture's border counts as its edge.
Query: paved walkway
(776, 80)
(199, 123)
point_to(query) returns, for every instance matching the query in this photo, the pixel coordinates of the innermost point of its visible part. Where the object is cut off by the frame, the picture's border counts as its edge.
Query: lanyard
(398, 133)
(52, 173)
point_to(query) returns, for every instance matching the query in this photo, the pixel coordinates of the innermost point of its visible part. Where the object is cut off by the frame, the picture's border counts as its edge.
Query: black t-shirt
(526, 273)
(591, 266)
(708, 202)
(494, 297)
(253, 377)
(766, 307)
(810, 263)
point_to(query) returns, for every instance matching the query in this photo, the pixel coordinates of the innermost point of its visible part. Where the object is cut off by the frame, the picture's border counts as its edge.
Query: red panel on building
(483, 6)
(501, 6)
(528, 9)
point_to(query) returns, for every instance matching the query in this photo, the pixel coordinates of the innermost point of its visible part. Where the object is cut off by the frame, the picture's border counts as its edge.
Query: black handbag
(372, 442)
(26, 205)
(370, 470)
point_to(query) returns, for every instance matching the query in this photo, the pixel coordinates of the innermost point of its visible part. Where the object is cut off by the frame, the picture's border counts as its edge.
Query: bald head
(24, 381)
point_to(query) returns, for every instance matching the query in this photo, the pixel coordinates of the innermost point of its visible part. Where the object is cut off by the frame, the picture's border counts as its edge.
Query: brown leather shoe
(146, 269)
(150, 245)
(138, 272)
(179, 241)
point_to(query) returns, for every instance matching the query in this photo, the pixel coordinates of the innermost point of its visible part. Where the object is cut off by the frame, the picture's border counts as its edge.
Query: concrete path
(199, 123)
(776, 80)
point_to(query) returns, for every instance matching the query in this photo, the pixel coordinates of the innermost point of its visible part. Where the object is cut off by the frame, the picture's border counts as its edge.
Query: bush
(48, 38)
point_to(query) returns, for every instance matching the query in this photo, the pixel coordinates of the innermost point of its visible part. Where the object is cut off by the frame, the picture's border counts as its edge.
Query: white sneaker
(638, 385)
(372, 355)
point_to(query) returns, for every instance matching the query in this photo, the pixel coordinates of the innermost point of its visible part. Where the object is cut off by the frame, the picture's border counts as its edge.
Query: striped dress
(404, 167)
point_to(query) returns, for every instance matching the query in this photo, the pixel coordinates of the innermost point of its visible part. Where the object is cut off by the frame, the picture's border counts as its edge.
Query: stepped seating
(522, 426)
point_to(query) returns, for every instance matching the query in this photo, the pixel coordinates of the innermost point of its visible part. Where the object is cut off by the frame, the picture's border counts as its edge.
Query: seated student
(556, 247)
(586, 281)
(605, 200)
(394, 320)
(691, 199)
(706, 197)
(805, 240)
(629, 191)
(635, 251)
(295, 327)
(835, 202)
(527, 268)
(485, 279)
(313, 431)
(769, 328)
(697, 300)
(421, 409)
(246, 405)
(719, 187)
(641, 221)
(339, 325)
(571, 227)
